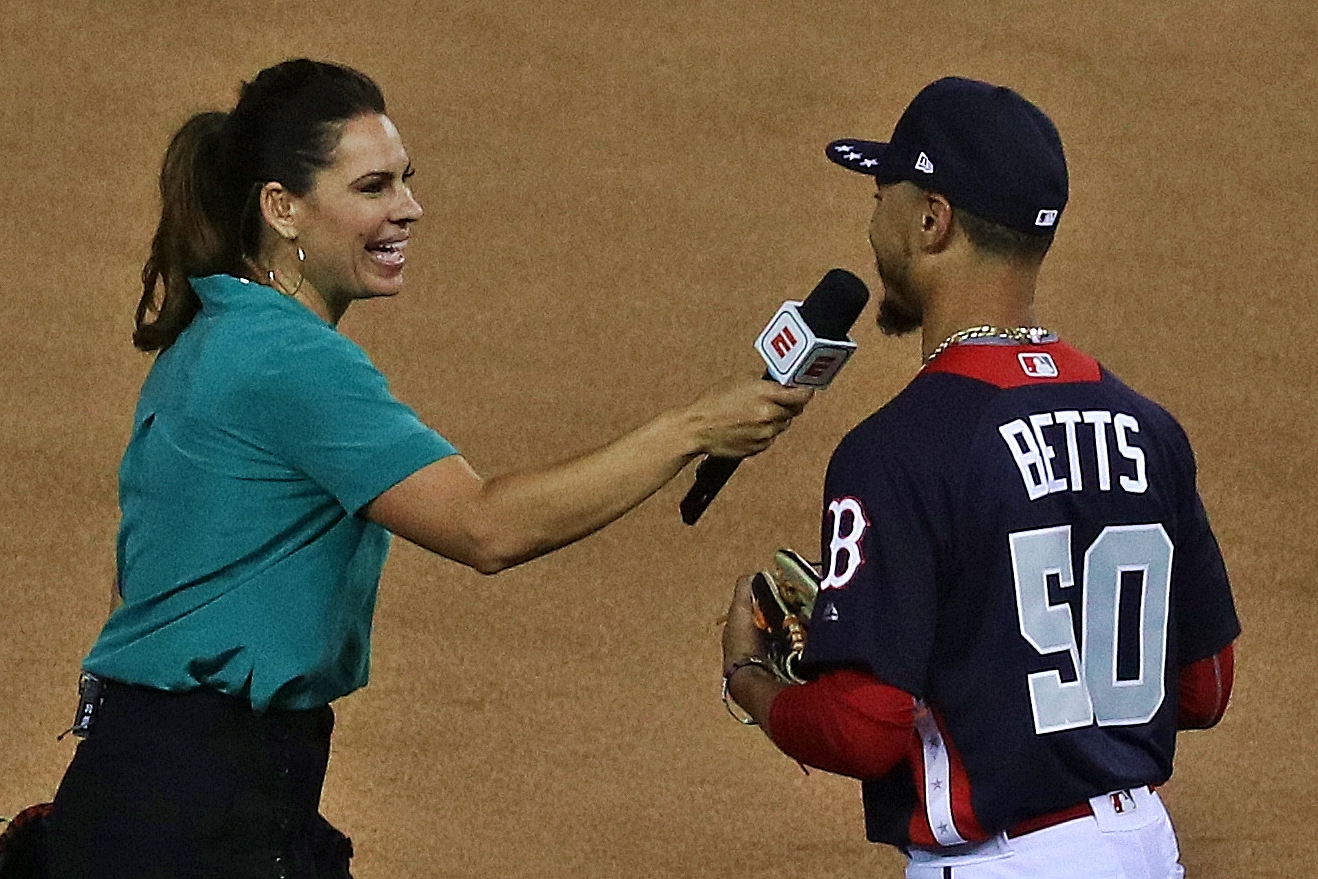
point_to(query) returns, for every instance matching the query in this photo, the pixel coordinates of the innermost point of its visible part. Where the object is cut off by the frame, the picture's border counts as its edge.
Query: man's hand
(746, 665)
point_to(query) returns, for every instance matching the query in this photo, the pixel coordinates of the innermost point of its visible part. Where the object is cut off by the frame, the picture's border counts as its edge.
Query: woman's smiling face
(355, 222)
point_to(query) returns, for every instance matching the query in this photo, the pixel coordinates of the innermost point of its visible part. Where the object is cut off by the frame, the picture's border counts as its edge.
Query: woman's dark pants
(196, 786)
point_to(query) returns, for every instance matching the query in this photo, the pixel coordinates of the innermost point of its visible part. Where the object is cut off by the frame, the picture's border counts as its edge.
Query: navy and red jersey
(1016, 540)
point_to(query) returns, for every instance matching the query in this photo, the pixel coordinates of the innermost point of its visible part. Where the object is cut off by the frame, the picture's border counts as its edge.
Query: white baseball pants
(1129, 836)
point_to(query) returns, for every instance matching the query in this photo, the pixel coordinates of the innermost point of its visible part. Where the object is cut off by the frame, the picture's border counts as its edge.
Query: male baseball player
(1022, 600)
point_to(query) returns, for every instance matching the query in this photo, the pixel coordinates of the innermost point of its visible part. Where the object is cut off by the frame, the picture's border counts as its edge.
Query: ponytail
(189, 240)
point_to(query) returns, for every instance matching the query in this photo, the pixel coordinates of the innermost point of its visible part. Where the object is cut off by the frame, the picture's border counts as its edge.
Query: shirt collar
(228, 291)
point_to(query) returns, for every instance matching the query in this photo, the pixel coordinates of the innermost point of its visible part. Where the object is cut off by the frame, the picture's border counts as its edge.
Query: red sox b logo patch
(845, 554)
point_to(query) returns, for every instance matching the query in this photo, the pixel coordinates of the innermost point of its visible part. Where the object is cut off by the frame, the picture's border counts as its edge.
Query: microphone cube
(795, 356)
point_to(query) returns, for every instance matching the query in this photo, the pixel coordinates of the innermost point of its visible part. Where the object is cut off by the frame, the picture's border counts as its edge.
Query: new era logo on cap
(923, 165)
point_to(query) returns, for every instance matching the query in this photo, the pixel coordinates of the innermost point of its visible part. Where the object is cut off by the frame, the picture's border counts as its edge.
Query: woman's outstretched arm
(493, 524)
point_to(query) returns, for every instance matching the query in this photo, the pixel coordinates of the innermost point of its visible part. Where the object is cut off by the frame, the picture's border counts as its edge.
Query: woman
(267, 467)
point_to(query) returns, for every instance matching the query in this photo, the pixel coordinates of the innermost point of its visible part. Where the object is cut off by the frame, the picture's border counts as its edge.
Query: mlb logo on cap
(1038, 365)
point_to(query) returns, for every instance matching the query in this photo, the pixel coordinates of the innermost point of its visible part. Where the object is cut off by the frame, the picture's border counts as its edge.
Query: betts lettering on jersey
(1034, 442)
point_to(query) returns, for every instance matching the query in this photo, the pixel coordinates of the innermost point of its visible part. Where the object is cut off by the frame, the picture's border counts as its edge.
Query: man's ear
(278, 209)
(935, 222)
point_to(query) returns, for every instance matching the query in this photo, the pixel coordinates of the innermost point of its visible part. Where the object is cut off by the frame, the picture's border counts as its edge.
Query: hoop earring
(302, 275)
(302, 270)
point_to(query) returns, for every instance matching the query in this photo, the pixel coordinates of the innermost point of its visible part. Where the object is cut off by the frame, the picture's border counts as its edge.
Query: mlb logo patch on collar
(1014, 366)
(1038, 364)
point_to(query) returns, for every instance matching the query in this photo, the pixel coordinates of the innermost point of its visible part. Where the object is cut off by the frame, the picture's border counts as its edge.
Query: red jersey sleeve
(1206, 689)
(846, 721)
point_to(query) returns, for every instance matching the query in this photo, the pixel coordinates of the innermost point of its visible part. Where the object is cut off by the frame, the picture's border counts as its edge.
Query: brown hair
(285, 127)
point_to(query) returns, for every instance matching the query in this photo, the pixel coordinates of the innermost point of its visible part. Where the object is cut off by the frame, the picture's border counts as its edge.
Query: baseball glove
(784, 598)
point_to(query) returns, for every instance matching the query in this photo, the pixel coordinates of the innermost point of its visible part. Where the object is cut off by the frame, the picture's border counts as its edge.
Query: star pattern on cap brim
(860, 156)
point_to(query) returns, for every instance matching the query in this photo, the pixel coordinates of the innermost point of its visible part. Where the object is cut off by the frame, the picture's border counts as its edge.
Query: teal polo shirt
(243, 563)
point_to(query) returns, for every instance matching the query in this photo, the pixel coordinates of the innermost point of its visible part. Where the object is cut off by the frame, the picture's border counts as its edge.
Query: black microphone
(808, 355)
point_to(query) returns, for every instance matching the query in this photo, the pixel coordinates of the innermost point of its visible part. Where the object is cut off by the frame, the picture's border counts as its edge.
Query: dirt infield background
(618, 197)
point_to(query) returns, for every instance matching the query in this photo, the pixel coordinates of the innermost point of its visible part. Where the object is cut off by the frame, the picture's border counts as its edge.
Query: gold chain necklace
(1023, 335)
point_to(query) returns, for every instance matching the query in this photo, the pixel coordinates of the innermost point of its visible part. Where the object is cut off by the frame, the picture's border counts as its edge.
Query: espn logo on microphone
(795, 356)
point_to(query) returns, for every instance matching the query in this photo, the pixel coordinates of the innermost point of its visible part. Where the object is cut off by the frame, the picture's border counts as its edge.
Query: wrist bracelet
(727, 677)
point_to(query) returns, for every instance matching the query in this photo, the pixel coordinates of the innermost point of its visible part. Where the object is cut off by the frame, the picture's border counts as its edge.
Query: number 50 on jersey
(1124, 606)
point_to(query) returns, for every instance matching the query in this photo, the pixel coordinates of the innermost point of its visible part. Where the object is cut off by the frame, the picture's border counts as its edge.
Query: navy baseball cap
(983, 147)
